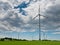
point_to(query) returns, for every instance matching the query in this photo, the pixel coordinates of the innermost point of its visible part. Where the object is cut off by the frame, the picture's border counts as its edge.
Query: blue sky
(16, 17)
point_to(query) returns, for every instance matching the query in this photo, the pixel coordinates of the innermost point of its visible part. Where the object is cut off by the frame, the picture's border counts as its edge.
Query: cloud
(56, 33)
(4, 7)
(53, 14)
(13, 20)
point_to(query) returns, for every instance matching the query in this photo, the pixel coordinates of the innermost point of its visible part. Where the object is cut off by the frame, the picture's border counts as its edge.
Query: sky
(16, 19)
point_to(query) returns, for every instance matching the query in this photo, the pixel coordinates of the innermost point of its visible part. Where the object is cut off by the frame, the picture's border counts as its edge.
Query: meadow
(29, 42)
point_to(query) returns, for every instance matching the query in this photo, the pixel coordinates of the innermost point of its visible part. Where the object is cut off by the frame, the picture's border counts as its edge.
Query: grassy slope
(29, 43)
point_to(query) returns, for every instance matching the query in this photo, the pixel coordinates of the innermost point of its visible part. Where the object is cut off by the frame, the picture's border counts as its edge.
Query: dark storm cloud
(53, 20)
(5, 6)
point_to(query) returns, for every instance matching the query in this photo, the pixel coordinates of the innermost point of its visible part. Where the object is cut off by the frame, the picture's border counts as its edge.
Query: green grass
(29, 43)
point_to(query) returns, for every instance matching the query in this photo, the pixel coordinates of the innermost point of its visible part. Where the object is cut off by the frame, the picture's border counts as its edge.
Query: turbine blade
(44, 16)
(35, 16)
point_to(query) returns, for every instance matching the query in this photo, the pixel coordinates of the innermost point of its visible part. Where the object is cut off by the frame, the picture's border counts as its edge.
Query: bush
(2, 39)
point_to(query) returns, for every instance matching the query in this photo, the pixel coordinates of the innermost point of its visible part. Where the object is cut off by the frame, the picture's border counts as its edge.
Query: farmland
(29, 42)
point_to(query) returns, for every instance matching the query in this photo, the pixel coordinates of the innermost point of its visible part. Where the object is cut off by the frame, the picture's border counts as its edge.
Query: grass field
(29, 43)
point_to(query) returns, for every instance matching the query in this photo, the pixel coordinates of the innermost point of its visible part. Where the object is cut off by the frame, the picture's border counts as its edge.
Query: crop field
(29, 42)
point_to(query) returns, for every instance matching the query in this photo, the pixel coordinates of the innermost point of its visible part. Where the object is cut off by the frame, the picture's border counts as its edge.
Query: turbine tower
(39, 23)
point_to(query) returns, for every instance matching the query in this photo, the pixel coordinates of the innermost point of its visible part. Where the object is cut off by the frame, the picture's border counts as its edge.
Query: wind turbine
(45, 35)
(39, 21)
(18, 35)
(39, 15)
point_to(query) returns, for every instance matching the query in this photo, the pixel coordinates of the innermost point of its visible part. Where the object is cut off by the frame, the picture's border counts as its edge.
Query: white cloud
(4, 0)
(56, 33)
